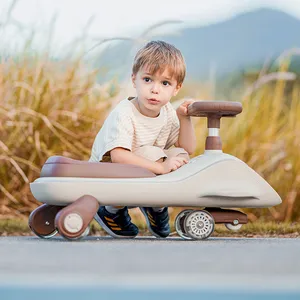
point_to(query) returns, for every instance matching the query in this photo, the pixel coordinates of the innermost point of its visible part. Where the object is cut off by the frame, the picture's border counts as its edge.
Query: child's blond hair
(158, 56)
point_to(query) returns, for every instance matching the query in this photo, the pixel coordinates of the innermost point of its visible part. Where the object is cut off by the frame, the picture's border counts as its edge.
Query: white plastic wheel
(179, 224)
(73, 222)
(199, 224)
(84, 234)
(232, 227)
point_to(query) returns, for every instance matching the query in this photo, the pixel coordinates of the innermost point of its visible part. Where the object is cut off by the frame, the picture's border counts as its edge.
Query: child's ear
(133, 79)
(178, 87)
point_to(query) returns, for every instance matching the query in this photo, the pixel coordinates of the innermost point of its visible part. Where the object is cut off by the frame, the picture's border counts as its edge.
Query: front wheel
(199, 224)
(73, 221)
(83, 235)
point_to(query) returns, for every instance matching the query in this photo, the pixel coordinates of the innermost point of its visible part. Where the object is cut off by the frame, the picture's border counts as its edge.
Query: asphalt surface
(143, 268)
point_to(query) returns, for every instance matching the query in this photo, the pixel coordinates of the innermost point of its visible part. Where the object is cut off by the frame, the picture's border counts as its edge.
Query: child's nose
(155, 88)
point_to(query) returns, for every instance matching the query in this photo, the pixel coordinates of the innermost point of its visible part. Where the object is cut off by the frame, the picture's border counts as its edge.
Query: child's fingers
(177, 164)
(183, 159)
(173, 168)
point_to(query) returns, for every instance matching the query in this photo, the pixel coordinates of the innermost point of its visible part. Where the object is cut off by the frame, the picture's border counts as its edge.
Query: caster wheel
(41, 221)
(232, 227)
(179, 224)
(199, 224)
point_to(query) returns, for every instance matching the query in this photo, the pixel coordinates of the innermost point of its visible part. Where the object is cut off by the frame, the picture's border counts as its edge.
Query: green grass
(264, 229)
(14, 227)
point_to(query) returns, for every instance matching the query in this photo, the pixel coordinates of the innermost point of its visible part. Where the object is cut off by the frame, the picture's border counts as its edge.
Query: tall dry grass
(56, 108)
(267, 137)
(46, 108)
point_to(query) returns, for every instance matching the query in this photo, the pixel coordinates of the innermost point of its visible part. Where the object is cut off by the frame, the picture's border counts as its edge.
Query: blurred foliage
(46, 108)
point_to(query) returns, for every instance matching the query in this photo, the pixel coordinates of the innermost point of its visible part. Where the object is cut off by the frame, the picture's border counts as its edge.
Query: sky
(117, 18)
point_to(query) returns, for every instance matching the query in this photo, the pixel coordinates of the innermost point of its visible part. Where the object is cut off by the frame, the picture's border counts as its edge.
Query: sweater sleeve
(117, 131)
(174, 132)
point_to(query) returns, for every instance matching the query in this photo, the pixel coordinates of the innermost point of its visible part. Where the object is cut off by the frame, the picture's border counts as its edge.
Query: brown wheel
(41, 220)
(73, 221)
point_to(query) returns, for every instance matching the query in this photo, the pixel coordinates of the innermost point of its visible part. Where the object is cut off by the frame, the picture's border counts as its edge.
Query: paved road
(223, 268)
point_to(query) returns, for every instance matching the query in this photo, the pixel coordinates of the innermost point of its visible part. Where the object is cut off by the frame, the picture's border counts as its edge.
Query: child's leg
(152, 153)
(113, 209)
(157, 218)
(156, 153)
(117, 224)
(149, 152)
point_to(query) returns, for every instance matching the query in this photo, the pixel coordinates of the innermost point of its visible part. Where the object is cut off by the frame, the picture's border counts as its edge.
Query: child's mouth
(153, 101)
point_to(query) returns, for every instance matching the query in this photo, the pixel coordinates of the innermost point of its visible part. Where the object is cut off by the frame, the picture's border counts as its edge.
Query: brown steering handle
(214, 111)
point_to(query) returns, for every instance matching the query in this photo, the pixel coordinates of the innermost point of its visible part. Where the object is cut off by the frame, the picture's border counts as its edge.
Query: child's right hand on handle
(172, 164)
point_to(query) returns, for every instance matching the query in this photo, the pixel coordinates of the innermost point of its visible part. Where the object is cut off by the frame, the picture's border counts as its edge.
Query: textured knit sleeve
(117, 131)
(174, 130)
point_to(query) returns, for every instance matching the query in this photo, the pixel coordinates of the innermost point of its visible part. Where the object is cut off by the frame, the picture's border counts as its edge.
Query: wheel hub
(73, 222)
(200, 225)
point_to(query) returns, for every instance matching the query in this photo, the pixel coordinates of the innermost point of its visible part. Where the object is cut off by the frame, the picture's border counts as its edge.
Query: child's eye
(147, 79)
(166, 83)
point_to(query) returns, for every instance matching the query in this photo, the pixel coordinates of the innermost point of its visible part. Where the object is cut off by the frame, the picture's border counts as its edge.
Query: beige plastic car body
(214, 179)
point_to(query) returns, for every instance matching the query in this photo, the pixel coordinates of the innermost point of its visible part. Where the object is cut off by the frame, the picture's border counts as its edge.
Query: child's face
(154, 90)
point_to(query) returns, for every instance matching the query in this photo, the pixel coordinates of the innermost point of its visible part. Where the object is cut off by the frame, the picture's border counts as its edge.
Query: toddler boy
(141, 130)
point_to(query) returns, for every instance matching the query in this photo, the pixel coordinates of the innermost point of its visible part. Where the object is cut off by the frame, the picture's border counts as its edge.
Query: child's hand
(172, 164)
(182, 109)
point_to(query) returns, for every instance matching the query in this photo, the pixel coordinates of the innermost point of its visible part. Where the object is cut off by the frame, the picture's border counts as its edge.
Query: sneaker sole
(109, 231)
(149, 226)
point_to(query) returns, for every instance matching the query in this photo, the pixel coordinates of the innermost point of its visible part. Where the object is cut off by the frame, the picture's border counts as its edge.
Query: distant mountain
(245, 40)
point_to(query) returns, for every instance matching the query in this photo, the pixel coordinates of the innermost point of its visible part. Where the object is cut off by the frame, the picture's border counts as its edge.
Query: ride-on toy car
(72, 190)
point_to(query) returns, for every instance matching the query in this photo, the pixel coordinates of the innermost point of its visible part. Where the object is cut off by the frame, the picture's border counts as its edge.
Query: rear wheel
(179, 224)
(42, 221)
(233, 227)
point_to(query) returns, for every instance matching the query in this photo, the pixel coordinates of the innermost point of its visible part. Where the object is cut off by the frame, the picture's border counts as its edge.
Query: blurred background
(65, 64)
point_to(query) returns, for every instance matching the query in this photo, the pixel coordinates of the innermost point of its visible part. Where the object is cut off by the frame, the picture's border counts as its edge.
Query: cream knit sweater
(126, 127)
